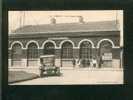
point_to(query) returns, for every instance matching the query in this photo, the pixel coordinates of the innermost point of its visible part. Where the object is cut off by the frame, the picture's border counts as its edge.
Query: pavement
(79, 77)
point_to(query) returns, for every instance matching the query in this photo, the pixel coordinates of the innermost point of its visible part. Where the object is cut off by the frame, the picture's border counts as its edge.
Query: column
(24, 58)
(95, 55)
(58, 57)
(76, 56)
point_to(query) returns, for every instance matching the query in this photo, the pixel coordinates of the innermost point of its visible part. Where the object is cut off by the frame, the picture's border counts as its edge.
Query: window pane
(16, 55)
(67, 50)
(32, 51)
(16, 52)
(49, 48)
(85, 50)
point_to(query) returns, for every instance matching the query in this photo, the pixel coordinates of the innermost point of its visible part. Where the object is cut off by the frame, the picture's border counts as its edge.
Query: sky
(43, 17)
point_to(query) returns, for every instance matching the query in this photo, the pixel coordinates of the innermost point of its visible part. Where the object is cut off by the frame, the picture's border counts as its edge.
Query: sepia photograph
(70, 47)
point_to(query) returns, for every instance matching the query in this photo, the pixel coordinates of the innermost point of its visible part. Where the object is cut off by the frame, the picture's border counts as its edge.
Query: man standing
(94, 62)
(74, 62)
(100, 62)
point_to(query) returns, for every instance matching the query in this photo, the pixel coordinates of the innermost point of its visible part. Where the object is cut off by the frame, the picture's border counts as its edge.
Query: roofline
(28, 33)
(79, 34)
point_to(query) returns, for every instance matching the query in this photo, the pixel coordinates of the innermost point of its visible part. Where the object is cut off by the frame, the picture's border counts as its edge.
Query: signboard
(107, 56)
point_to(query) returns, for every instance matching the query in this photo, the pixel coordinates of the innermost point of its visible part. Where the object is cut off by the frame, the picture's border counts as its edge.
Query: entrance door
(67, 55)
(85, 53)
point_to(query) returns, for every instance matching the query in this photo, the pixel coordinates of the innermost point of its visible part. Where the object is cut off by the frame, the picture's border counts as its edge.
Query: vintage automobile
(48, 66)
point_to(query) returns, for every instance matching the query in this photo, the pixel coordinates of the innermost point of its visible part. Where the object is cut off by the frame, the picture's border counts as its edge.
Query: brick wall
(95, 37)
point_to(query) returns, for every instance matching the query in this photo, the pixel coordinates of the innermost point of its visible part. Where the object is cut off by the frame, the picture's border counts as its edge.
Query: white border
(15, 42)
(66, 41)
(51, 41)
(32, 41)
(113, 46)
(92, 44)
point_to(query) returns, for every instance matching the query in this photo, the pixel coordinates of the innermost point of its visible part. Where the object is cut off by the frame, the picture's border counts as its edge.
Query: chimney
(81, 19)
(53, 20)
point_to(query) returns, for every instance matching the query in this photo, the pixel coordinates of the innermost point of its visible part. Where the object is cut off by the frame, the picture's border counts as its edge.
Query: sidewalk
(79, 76)
(91, 69)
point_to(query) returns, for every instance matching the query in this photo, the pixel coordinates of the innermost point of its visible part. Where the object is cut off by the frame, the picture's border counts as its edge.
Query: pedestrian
(88, 63)
(100, 62)
(74, 62)
(79, 62)
(94, 62)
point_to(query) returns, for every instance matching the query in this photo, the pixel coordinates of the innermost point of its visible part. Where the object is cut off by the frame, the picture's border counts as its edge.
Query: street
(79, 76)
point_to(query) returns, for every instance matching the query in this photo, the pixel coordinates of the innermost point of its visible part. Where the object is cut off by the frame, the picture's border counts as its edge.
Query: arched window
(49, 48)
(105, 47)
(32, 54)
(16, 54)
(85, 49)
(85, 53)
(67, 50)
(105, 54)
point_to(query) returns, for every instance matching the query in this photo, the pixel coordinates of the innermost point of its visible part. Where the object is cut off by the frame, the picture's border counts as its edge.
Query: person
(74, 62)
(42, 67)
(88, 62)
(83, 62)
(78, 62)
(100, 62)
(101, 59)
(94, 62)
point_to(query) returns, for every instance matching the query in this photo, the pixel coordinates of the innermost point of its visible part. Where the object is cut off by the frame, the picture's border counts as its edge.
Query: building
(82, 42)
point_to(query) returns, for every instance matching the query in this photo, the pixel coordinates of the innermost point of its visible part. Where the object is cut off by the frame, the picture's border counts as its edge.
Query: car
(48, 66)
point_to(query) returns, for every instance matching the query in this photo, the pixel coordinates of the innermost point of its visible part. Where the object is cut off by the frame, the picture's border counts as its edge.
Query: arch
(32, 54)
(13, 43)
(16, 54)
(86, 40)
(49, 48)
(67, 50)
(32, 41)
(51, 41)
(66, 41)
(85, 53)
(105, 52)
(85, 50)
(32, 51)
(98, 45)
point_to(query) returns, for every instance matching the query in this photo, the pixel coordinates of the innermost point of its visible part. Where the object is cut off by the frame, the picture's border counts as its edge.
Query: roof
(69, 27)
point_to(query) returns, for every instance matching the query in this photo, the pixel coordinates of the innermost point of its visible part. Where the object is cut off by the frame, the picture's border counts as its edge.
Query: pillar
(76, 56)
(58, 57)
(24, 58)
(95, 55)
